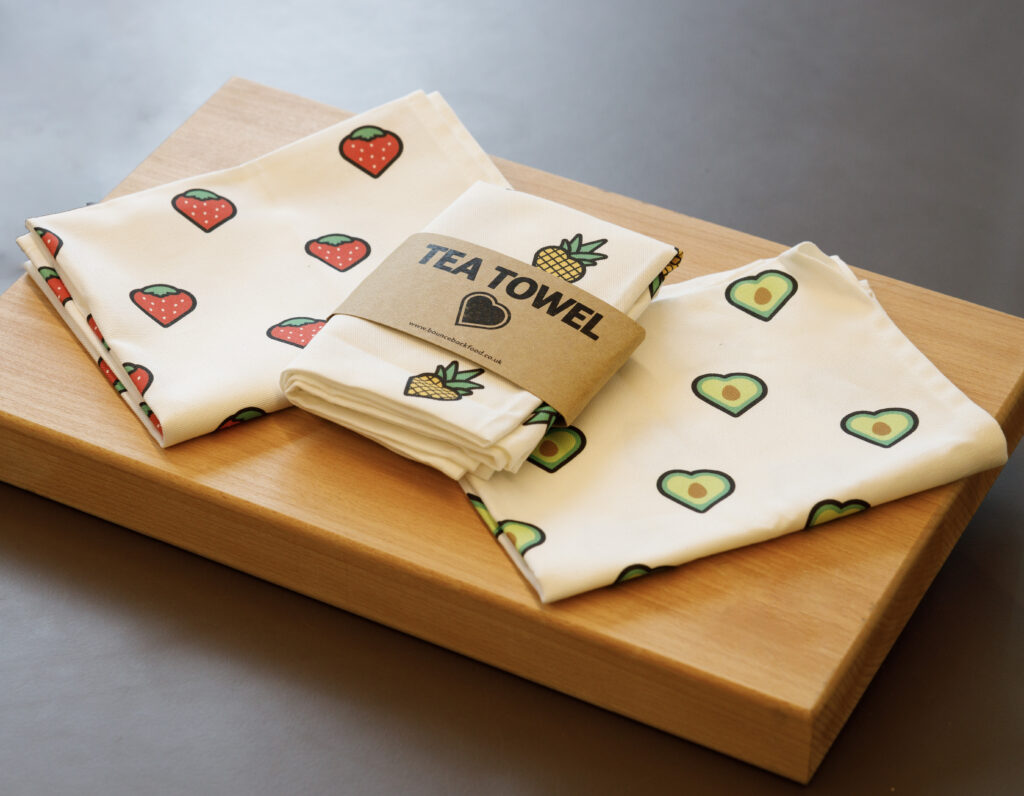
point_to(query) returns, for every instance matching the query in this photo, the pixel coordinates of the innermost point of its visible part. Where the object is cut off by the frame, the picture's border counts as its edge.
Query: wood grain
(760, 653)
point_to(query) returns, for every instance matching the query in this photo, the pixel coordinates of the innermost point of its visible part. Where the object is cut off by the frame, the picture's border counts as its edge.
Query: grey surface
(891, 134)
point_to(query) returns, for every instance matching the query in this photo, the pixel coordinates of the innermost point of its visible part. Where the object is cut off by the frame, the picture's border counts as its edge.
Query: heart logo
(558, 447)
(733, 393)
(522, 535)
(698, 489)
(482, 311)
(885, 427)
(763, 295)
(828, 510)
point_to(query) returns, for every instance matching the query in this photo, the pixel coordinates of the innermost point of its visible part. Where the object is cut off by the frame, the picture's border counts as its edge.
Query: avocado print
(733, 393)
(485, 514)
(829, 509)
(634, 571)
(763, 295)
(699, 490)
(558, 447)
(884, 428)
(524, 537)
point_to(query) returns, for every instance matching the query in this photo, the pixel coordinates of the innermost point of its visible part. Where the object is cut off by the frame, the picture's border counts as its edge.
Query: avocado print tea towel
(426, 403)
(193, 296)
(764, 400)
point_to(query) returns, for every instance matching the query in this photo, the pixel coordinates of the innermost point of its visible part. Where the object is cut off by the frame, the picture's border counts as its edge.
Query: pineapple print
(673, 264)
(444, 384)
(569, 259)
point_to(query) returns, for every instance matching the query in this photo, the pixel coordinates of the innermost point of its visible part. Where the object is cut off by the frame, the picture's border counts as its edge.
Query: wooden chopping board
(760, 653)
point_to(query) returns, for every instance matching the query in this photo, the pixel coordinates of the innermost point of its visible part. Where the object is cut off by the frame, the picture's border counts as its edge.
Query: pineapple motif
(673, 264)
(545, 414)
(444, 384)
(570, 258)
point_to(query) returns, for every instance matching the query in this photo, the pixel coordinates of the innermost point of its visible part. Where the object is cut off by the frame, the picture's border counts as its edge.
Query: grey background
(891, 134)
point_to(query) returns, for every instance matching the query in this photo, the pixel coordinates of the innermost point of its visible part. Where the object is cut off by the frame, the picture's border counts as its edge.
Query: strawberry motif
(56, 284)
(165, 304)
(50, 240)
(339, 251)
(296, 331)
(204, 208)
(110, 375)
(152, 418)
(249, 413)
(96, 330)
(141, 376)
(371, 149)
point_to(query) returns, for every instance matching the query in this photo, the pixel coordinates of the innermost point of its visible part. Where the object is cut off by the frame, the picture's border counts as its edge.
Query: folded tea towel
(193, 296)
(764, 400)
(373, 379)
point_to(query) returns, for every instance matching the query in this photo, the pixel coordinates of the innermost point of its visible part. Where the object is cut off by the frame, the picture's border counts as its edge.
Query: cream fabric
(357, 373)
(205, 288)
(764, 400)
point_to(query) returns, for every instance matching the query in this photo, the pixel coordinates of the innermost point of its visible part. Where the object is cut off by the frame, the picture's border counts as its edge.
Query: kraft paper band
(533, 328)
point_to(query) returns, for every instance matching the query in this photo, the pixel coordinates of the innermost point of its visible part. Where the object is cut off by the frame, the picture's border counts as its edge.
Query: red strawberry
(96, 330)
(165, 304)
(339, 251)
(56, 284)
(296, 331)
(141, 376)
(204, 208)
(152, 418)
(249, 413)
(51, 241)
(371, 149)
(111, 376)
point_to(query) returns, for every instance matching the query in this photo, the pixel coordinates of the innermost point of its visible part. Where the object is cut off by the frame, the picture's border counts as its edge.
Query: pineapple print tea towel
(192, 296)
(426, 403)
(764, 400)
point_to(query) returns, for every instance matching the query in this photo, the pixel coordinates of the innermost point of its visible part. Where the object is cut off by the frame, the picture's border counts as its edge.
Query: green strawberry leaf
(366, 133)
(48, 273)
(160, 290)
(299, 321)
(334, 240)
(201, 195)
(248, 414)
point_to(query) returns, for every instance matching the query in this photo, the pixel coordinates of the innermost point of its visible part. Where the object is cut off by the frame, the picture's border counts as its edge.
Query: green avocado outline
(695, 386)
(839, 505)
(761, 316)
(537, 536)
(914, 423)
(484, 513)
(696, 473)
(580, 443)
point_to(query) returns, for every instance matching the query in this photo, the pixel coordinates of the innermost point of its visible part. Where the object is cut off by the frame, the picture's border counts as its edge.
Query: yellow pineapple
(569, 259)
(673, 264)
(444, 384)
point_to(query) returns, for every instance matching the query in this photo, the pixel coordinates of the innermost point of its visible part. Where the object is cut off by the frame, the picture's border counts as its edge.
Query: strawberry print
(110, 375)
(204, 208)
(241, 416)
(296, 331)
(371, 149)
(338, 251)
(141, 376)
(152, 418)
(165, 304)
(50, 240)
(56, 284)
(96, 330)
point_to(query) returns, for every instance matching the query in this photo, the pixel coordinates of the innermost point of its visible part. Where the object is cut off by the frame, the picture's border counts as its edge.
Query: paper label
(540, 332)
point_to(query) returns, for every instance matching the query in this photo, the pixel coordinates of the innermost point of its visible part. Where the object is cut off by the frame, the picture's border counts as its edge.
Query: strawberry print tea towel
(193, 296)
(764, 400)
(426, 403)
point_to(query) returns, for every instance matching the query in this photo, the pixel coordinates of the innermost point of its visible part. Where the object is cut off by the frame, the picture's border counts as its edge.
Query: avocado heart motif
(522, 535)
(558, 447)
(482, 311)
(763, 295)
(734, 393)
(829, 509)
(698, 489)
(634, 571)
(885, 427)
